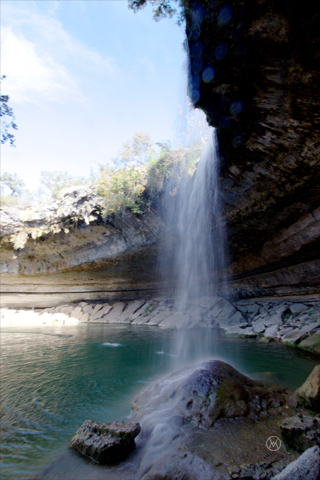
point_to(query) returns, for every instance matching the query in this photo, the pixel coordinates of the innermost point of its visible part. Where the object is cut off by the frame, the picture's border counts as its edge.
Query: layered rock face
(254, 70)
(65, 252)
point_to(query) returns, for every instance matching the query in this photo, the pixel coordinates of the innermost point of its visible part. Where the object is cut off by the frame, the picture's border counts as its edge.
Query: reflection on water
(55, 377)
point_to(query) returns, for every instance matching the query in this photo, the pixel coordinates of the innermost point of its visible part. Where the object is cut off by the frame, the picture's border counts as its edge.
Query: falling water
(199, 253)
(193, 260)
(193, 254)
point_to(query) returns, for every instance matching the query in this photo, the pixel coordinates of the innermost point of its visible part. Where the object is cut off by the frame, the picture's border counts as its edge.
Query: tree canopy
(7, 119)
(13, 183)
(52, 182)
(161, 8)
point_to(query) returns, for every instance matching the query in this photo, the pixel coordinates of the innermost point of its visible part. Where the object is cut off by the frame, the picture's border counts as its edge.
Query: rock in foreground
(306, 467)
(187, 418)
(109, 443)
(212, 391)
(301, 432)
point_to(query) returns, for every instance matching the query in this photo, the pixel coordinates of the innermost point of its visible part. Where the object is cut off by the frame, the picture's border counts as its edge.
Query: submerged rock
(109, 443)
(309, 393)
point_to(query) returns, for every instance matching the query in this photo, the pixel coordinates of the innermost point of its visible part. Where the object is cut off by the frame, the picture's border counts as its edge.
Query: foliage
(18, 195)
(8, 201)
(173, 163)
(53, 182)
(161, 8)
(130, 187)
(131, 181)
(7, 121)
(121, 189)
(137, 152)
(13, 183)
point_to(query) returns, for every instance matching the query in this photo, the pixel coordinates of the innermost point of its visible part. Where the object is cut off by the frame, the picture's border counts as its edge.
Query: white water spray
(193, 254)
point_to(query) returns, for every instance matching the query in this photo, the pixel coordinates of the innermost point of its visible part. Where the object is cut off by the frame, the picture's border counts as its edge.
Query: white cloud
(31, 75)
(38, 55)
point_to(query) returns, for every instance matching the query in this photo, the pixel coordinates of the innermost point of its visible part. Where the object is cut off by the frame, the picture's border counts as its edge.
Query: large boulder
(109, 443)
(301, 432)
(306, 467)
(309, 393)
(186, 418)
(212, 391)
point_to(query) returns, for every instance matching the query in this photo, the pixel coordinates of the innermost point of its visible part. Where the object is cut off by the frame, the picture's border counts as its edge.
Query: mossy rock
(300, 432)
(312, 343)
(309, 393)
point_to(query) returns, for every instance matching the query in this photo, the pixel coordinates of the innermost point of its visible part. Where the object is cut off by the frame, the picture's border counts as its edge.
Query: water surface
(55, 377)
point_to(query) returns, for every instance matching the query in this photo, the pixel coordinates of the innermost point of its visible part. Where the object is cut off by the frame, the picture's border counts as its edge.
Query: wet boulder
(107, 443)
(189, 408)
(210, 392)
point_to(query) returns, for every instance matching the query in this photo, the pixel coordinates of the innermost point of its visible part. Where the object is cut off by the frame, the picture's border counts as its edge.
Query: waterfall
(199, 249)
(193, 250)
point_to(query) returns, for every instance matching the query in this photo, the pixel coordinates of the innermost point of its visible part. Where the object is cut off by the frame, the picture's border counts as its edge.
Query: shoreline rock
(309, 393)
(108, 443)
(295, 324)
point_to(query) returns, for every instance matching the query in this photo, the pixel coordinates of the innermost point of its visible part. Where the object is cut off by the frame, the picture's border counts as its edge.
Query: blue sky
(83, 77)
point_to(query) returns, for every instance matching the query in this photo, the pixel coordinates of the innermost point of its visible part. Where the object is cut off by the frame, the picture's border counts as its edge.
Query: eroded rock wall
(66, 251)
(264, 100)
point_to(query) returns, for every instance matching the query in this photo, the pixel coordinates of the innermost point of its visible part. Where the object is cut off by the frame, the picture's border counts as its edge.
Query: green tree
(13, 183)
(122, 183)
(136, 152)
(53, 182)
(7, 119)
(161, 8)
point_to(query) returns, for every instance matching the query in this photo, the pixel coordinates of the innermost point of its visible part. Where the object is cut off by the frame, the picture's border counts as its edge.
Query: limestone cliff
(255, 71)
(67, 250)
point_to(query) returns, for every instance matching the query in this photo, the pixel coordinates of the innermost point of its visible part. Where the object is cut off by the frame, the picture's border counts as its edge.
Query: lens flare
(224, 121)
(195, 95)
(197, 65)
(208, 74)
(195, 32)
(195, 81)
(225, 15)
(221, 51)
(198, 15)
(197, 49)
(236, 107)
(238, 141)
